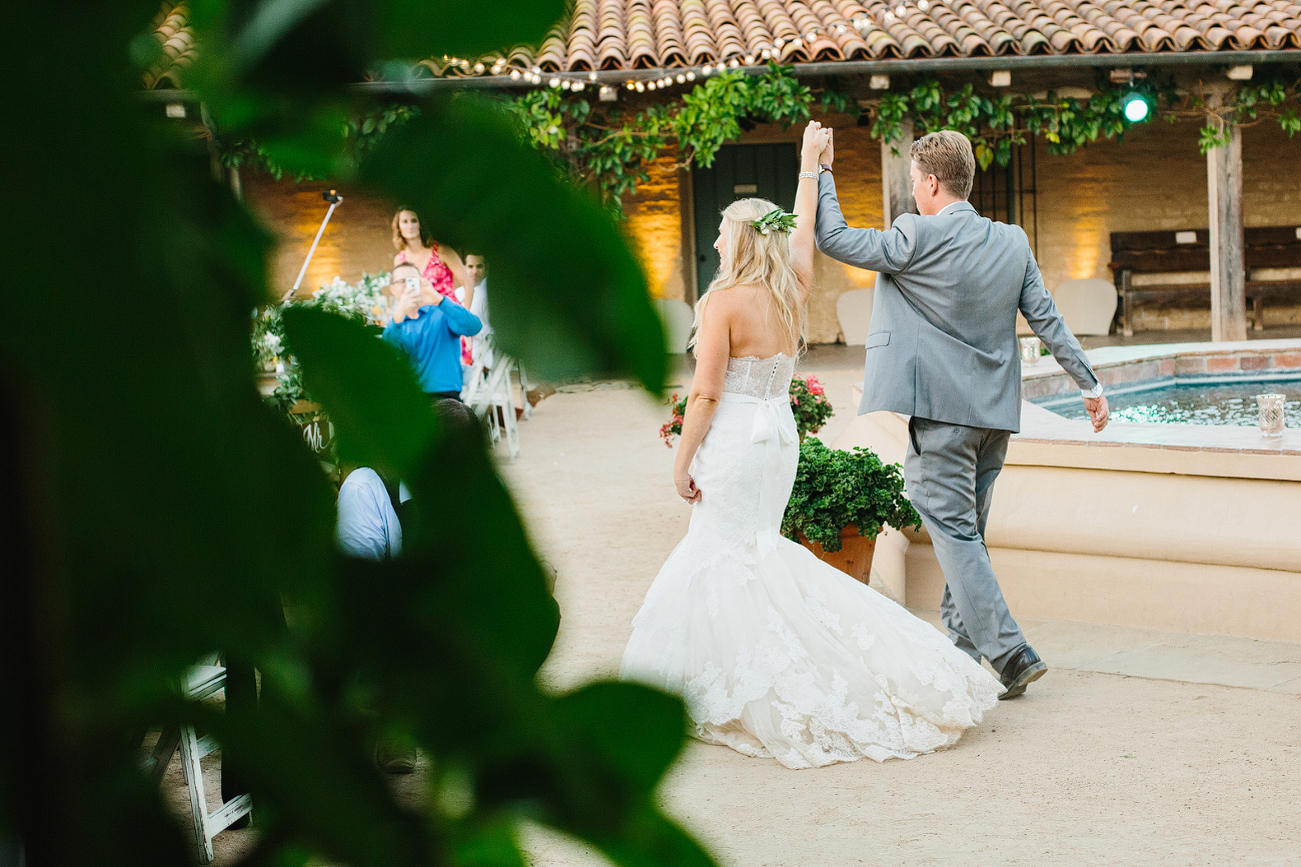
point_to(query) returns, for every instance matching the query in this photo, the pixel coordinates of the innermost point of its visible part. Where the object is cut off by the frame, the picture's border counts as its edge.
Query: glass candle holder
(1029, 350)
(1271, 414)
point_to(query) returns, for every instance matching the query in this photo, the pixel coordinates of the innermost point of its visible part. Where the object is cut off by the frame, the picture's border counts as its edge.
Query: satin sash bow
(769, 430)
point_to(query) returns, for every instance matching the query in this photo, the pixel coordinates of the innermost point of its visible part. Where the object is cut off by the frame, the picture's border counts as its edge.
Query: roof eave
(424, 86)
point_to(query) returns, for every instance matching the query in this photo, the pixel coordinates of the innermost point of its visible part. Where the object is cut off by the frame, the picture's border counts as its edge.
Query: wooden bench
(1183, 251)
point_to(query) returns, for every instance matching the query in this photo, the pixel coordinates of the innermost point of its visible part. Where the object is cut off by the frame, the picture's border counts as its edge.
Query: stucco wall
(357, 241)
(1155, 179)
(658, 229)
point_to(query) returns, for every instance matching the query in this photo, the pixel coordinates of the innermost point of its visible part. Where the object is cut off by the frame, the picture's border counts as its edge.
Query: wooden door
(768, 171)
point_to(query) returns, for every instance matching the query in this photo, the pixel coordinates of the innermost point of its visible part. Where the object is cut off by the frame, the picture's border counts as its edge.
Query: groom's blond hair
(947, 155)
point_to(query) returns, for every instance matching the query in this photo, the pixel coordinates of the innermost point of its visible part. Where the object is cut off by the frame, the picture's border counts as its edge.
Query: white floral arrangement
(364, 301)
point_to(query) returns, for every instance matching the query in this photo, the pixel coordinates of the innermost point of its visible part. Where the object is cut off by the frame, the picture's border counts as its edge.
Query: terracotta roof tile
(647, 34)
(170, 27)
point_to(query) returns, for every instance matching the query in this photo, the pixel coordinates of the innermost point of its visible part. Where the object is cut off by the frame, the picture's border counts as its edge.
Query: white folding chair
(202, 681)
(489, 390)
(524, 390)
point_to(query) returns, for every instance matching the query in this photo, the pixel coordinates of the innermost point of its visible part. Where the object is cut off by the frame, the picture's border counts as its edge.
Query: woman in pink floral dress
(439, 264)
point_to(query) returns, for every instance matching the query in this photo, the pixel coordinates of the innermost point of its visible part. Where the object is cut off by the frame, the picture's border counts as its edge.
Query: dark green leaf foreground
(155, 510)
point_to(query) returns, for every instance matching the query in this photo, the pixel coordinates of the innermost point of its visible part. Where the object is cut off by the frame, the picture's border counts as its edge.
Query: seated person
(428, 328)
(368, 526)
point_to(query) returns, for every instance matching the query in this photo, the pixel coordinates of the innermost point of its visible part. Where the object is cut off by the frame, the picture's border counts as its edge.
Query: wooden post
(1228, 261)
(896, 183)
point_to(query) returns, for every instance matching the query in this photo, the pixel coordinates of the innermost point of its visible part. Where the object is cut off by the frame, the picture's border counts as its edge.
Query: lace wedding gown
(777, 653)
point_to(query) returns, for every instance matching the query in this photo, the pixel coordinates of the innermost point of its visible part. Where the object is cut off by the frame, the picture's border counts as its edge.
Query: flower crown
(775, 220)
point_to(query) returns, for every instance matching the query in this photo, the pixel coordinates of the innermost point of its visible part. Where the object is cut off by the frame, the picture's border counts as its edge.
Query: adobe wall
(1156, 179)
(358, 239)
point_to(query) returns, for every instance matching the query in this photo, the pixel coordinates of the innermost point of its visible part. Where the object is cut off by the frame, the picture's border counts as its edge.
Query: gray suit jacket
(943, 342)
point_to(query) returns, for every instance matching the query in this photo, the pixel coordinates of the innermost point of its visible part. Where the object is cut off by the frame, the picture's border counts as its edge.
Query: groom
(943, 350)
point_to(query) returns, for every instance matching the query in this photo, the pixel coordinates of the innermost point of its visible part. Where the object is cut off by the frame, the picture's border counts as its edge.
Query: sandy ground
(1087, 768)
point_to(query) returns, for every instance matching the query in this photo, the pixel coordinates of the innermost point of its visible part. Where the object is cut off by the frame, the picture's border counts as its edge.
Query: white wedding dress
(776, 653)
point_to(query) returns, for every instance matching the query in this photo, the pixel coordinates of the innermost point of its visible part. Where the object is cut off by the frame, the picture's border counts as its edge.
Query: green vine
(610, 149)
(996, 124)
(1267, 99)
(359, 135)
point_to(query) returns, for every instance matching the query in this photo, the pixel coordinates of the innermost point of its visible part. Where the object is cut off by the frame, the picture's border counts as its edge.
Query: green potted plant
(840, 502)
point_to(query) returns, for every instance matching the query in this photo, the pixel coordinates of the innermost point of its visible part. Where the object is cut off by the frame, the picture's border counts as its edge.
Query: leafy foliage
(358, 134)
(1264, 98)
(138, 538)
(996, 124)
(835, 488)
(365, 302)
(610, 148)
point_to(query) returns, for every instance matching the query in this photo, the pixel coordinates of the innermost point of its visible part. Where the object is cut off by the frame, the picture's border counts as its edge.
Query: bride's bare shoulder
(721, 302)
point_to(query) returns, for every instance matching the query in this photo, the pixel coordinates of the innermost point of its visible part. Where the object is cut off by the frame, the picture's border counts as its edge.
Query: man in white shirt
(477, 275)
(368, 528)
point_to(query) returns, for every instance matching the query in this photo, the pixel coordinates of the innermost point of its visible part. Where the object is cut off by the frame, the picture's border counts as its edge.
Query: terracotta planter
(854, 557)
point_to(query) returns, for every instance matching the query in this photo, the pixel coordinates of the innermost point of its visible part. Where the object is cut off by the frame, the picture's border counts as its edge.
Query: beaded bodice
(764, 378)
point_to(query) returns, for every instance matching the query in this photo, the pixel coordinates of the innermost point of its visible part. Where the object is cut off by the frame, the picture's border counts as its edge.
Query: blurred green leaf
(367, 388)
(637, 730)
(418, 28)
(157, 511)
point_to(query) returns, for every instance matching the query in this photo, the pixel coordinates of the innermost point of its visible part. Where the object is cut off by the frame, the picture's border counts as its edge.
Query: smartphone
(413, 282)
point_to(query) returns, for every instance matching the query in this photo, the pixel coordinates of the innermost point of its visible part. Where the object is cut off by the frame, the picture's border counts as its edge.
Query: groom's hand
(815, 144)
(829, 152)
(1098, 412)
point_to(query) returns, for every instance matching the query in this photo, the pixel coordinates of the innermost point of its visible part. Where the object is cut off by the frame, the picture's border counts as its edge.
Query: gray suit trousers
(950, 471)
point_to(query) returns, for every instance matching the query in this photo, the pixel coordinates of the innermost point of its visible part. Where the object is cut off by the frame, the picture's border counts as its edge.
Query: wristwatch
(823, 167)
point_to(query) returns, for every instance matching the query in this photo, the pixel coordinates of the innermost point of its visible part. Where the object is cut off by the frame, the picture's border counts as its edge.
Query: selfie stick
(334, 199)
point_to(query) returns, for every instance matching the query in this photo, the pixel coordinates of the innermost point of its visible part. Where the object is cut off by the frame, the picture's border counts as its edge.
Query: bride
(776, 653)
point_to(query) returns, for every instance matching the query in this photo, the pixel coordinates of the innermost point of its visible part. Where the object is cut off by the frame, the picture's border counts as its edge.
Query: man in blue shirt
(428, 327)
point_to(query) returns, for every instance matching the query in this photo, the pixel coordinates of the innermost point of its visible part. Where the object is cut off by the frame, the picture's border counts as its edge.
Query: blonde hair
(947, 155)
(750, 258)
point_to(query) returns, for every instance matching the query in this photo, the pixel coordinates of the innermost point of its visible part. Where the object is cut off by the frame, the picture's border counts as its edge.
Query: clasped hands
(819, 146)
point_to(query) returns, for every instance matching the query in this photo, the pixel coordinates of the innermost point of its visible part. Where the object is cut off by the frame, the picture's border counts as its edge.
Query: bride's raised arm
(713, 346)
(806, 206)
